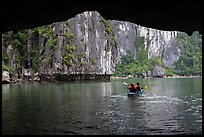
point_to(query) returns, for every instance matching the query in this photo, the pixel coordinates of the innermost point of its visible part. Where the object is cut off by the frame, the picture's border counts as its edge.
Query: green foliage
(130, 66)
(156, 62)
(107, 25)
(69, 35)
(80, 57)
(68, 23)
(93, 61)
(51, 40)
(45, 31)
(68, 55)
(5, 57)
(136, 67)
(70, 48)
(7, 68)
(82, 63)
(7, 37)
(48, 33)
(109, 30)
(190, 62)
(114, 40)
(142, 55)
(35, 57)
(19, 43)
(170, 71)
(139, 43)
(67, 61)
(127, 59)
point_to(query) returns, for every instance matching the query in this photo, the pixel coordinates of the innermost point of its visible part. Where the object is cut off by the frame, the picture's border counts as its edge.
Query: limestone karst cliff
(84, 47)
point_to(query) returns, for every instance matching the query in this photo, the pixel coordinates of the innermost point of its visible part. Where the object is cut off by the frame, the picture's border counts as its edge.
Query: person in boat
(137, 87)
(132, 88)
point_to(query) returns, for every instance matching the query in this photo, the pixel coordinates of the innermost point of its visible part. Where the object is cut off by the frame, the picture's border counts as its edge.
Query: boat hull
(130, 94)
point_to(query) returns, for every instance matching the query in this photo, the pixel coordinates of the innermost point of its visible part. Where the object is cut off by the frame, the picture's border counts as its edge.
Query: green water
(168, 106)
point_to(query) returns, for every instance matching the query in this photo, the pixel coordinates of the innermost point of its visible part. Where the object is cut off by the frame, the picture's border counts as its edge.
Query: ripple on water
(161, 99)
(118, 96)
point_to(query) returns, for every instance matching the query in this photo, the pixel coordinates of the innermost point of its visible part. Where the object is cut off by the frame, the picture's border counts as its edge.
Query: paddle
(146, 87)
(125, 83)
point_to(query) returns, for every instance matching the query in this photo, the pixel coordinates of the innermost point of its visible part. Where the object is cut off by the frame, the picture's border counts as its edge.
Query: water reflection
(102, 108)
(159, 114)
(106, 89)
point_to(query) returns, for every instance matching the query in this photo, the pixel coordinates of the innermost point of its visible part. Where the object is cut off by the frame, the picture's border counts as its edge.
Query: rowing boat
(130, 94)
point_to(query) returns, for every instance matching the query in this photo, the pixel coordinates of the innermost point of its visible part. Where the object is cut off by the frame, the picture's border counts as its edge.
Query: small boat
(130, 94)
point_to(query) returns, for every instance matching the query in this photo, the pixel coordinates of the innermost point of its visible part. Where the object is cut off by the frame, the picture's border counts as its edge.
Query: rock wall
(94, 50)
(159, 43)
(90, 45)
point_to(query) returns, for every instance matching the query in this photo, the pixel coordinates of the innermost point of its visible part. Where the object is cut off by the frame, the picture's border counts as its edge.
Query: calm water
(169, 106)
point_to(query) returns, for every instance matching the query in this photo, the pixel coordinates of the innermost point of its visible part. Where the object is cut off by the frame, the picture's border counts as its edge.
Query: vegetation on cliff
(189, 63)
(64, 47)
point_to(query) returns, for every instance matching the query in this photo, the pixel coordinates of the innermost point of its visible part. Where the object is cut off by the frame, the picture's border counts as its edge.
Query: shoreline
(175, 76)
(112, 77)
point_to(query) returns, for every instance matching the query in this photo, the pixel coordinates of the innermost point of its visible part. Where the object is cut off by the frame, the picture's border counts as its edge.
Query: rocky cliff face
(88, 44)
(94, 42)
(82, 45)
(159, 43)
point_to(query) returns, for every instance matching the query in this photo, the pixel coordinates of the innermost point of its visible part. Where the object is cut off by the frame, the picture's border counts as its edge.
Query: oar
(125, 83)
(146, 87)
